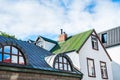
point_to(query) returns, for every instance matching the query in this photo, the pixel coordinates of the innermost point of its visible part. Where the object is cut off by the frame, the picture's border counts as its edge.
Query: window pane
(14, 59)
(91, 70)
(69, 68)
(56, 65)
(57, 60)
(65, 61)
(0, 49)
(65, 66)
(6, 58)
(0, 56)
(7, 49)
(91, 67)
(21, 60)
(95, 43)
(60, 59)
(104, 38)
(61, 66)
(20, 53)
(14, 50)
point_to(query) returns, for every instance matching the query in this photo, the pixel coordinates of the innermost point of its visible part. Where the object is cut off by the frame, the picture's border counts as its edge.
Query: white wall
(50, 59)
(100, 55)
(75, 59)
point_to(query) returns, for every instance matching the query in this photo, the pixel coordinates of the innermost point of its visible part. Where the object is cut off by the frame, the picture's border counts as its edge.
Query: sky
(27, 19)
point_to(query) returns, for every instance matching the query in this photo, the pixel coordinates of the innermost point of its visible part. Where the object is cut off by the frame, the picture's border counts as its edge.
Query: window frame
(94, 75)
(11, 54)
(102, 62)
(93, 39)
(67, 63)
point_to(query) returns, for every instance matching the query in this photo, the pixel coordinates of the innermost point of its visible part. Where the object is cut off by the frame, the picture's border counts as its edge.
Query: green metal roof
(73, 43)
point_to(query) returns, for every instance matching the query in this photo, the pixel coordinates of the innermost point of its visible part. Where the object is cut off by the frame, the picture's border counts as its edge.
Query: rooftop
(34, 55)
(73, 43)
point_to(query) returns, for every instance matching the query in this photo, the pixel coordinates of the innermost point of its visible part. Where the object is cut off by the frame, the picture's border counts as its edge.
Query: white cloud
(37, 17)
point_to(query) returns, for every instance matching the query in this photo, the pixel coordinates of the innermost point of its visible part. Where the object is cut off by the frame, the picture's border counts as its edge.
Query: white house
(111, 41)
(85, 52)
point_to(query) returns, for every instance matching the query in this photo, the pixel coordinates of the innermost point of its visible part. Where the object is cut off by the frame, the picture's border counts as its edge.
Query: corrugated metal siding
(113, 37)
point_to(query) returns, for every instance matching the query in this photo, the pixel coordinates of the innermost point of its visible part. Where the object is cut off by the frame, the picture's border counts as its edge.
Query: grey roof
(35, 55)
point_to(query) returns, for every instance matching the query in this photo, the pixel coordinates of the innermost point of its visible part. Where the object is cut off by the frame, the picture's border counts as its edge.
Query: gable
(88, 49)
(73, 43)
(103, 46)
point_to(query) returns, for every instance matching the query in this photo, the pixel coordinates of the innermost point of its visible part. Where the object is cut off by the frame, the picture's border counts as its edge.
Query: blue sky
(28, 19)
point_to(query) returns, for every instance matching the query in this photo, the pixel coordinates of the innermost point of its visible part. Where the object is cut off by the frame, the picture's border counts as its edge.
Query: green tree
(7, 35)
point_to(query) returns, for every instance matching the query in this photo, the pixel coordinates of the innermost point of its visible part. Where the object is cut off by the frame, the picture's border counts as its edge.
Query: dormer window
(62, 63)
(94, 42)
(10, 54)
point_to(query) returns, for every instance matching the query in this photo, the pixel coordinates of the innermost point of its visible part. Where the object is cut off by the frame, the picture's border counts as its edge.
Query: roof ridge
(49, 40)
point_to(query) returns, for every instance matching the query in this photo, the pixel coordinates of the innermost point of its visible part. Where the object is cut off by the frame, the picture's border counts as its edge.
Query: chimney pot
(61, 31)
(62, 36)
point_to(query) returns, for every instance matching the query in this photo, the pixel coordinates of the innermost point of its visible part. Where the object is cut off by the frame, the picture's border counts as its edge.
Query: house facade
(86, 53)
(111, 40)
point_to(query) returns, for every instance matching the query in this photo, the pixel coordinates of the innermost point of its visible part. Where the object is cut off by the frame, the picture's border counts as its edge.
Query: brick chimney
(62, 36)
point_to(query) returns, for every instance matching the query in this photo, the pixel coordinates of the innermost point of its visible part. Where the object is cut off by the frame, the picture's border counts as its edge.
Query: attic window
(94, 42)
(62, 63)
(10, 54)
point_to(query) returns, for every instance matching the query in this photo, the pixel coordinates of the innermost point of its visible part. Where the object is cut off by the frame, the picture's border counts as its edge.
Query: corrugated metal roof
(34, 54)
